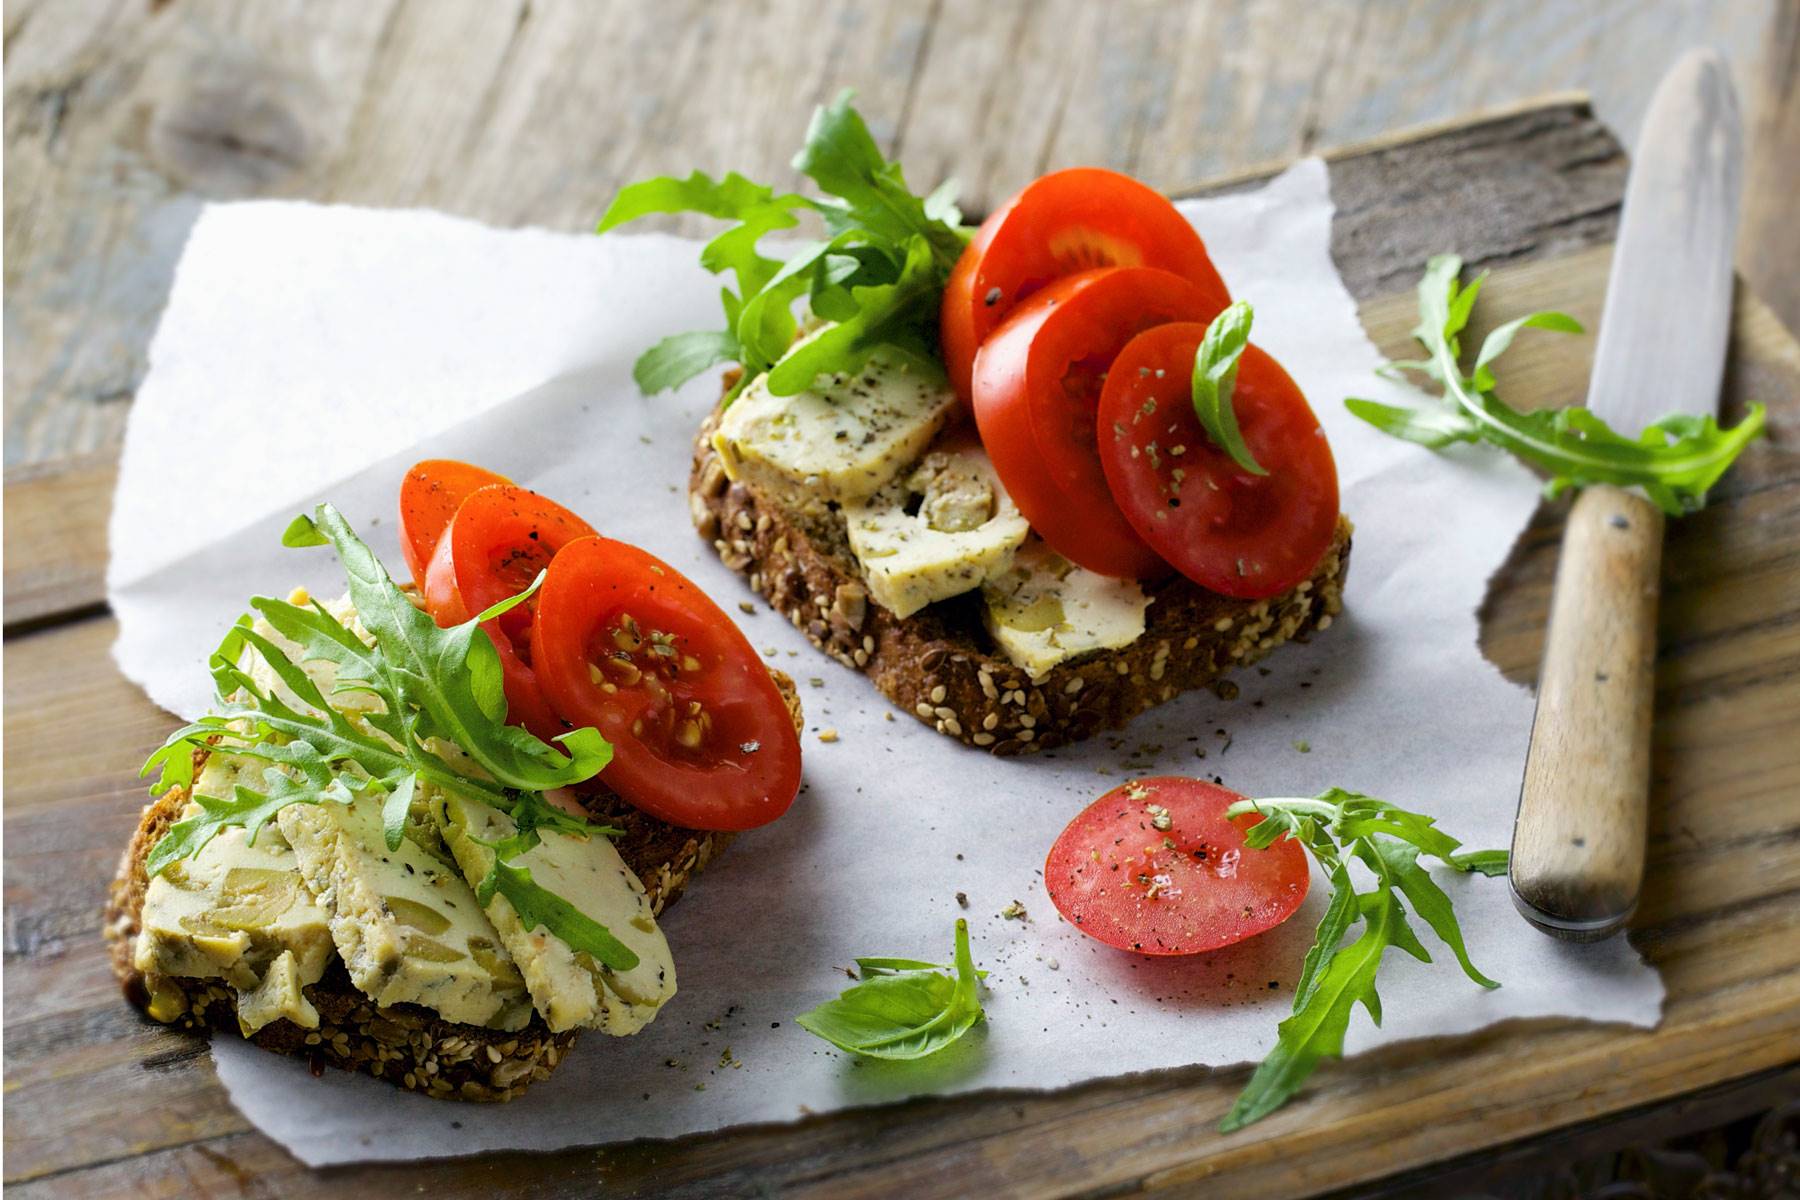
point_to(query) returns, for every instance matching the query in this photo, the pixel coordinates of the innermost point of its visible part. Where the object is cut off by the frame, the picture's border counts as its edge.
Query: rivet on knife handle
(1578, 845)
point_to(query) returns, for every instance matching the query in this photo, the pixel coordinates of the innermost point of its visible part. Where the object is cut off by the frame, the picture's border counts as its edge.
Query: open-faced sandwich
(1032, 478)
(427, 831)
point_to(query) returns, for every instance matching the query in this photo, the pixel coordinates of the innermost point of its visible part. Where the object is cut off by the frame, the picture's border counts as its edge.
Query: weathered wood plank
(1719, 917)
(56, 515)
(123, 117)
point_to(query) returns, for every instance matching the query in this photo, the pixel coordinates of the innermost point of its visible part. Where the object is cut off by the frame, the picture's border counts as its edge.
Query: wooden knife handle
(1578, 845)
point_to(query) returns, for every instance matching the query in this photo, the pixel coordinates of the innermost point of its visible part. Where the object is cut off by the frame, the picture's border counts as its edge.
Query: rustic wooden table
(100, 1102)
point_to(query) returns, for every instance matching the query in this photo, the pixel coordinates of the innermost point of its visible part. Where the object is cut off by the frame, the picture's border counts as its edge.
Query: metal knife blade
(1664, 327)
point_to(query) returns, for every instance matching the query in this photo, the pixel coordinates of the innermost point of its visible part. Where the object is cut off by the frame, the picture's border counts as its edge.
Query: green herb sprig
(1675, 460)
(434, 686)
(877, 276)
(1215, 379)
(1336, 827)
(903, 1008)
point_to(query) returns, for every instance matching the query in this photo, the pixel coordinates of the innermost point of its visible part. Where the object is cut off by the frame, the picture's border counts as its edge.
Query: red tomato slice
(429, 496)
(1066, 221)
(1181, 890)
(1038, 380)
(701, 735)
(1228, 530)
(499, 540)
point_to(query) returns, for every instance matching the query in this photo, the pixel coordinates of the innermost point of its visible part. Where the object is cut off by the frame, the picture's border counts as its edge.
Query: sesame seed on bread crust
(941, 665)
(405, 1044)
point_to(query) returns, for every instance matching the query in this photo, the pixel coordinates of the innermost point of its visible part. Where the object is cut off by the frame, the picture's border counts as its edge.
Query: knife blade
(1667, 316)
(1578, 842)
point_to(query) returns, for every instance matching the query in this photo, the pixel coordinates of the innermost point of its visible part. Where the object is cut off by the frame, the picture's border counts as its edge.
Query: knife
(1578, 843)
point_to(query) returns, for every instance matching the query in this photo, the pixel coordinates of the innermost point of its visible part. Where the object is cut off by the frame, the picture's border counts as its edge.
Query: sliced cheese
(569, 988)
(1045, 610)
(234, 909)
(842, 440)
(944, 529)
(404, 921)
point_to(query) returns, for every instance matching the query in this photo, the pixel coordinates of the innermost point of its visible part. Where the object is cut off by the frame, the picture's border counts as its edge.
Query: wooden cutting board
(102, 1102)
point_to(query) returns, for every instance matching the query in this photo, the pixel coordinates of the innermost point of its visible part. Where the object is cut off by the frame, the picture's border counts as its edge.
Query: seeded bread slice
(404, 1044)
(941, 665)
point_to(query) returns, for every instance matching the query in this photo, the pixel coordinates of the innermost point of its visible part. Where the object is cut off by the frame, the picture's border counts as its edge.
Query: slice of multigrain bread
(941, 665)
(404, 1044)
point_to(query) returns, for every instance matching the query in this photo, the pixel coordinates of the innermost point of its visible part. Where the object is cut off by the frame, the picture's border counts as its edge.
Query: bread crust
(940, 665)
(405, 1044)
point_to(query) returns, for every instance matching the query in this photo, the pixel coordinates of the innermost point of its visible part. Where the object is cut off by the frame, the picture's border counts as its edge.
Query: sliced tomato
(429, 496)
(701, 735)
(500, 538)
(1038, 380)
(1154, 866)
(1225, 528)
(1061, 223)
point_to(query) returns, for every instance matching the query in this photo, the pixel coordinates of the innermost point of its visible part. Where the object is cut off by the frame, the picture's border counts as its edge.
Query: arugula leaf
(433, 686)
(1215, 377)
(1336, 826)
(1676, 460)
(878, 276)
(904, 1009)
(538, 906)
(447, 679)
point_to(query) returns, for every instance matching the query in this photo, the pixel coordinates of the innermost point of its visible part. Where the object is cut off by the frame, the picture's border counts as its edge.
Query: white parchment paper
(312, 353)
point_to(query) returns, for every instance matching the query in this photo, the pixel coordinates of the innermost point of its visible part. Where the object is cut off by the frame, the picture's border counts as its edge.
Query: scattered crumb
(770, 651)
(699, 1087)
(1302, 746)
(888, 714)
(1053, 964)
(962, 899)
(828, 735)
(744, 606)
(816, 681)
(1015, 912)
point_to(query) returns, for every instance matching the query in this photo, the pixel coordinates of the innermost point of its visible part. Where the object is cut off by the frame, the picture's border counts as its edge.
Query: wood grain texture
(1578, 844)
(123, 117)
(1720, 917)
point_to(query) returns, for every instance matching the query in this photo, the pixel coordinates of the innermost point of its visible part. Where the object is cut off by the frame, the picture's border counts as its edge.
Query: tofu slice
(1045, 610)
(569, 988)
(843, 440)
(404, 921)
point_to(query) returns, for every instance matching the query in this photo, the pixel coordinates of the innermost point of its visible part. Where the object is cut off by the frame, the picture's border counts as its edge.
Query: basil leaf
(1675, 460)
(1215, 378)
(902, 1012)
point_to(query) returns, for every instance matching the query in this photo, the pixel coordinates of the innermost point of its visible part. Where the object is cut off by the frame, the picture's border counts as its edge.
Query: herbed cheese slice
(404, 921)
(235, 909)
(569, 988)
(1046, 610)
(944, 529)
(842, 440)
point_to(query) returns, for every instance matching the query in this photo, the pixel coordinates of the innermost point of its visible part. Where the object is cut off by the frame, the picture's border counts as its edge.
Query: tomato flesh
(701, 735)
(1061, 223)
(500, 538)
(429, 497)
(1155, 867)
(1037, 386)
(1236, 533)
